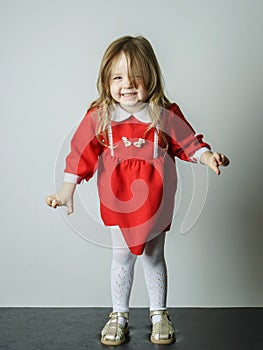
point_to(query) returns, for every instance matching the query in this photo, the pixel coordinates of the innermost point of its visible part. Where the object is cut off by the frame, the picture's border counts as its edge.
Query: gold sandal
(113, 333)
(162, 331)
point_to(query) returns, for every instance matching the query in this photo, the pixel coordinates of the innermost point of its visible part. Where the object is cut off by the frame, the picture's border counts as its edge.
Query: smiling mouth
(129, 94)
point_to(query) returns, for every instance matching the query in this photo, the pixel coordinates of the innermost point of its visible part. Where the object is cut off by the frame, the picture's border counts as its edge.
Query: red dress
(136, 175)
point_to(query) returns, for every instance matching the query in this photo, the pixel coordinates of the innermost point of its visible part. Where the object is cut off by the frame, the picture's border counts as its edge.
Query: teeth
(129, 94)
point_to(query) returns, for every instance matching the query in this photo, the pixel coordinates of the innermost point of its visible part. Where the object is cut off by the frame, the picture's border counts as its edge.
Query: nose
(127, 82)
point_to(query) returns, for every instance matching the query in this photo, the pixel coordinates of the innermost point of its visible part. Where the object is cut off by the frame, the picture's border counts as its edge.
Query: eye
(137, 78)
(117, 77)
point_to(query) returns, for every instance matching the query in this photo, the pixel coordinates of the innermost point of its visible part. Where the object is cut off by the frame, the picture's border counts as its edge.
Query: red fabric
(136, 195)
(85, 148)
(136, 191)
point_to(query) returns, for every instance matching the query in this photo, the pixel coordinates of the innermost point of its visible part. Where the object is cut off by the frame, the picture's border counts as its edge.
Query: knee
(123, 257)
(154, 251)
(153, 258)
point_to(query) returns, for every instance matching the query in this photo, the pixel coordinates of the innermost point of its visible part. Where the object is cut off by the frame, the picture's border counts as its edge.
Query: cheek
(112, 91)
(143, 93)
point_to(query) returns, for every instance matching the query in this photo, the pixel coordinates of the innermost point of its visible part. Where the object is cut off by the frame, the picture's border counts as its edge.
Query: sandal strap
(113, 333)
(116, 314)
(159, 312)
(163, 330)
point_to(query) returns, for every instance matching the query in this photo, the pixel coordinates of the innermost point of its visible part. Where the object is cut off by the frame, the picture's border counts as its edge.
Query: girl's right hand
(63, 198)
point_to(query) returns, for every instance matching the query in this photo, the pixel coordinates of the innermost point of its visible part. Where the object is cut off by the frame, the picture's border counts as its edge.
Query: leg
(122, 271)
(156, 281)
(155, 272)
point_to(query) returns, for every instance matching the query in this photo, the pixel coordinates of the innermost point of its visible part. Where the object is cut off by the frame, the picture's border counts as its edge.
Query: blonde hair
(143, 62)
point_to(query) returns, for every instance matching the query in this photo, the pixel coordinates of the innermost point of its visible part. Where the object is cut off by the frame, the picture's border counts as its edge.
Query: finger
(59, 202)
(54, 203)
(216, 170)
(226, 161)
(214, 167)
(218, 157)
(221, 158)
(70, 209)
(49, 200)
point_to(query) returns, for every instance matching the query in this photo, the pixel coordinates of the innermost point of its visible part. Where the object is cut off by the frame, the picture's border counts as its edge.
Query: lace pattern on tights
(122, 279)
(156, 282)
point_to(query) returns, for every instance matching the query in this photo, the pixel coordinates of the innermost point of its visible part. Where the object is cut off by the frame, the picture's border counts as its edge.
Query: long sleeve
(81, 162)
(184, 143)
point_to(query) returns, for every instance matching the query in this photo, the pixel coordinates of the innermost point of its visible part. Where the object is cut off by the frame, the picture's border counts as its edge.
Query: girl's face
(122, 90)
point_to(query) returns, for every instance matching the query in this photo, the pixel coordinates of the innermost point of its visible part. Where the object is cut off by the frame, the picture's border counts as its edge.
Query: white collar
(119, 115)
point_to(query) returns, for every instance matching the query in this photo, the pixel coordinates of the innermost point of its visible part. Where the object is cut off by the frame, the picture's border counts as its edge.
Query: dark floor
(79, 329)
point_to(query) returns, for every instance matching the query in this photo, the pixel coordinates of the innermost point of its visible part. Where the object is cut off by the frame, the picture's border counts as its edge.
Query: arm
(214, 160)
(188, 146)
(63, 198)
(184, 143)
(81, 162)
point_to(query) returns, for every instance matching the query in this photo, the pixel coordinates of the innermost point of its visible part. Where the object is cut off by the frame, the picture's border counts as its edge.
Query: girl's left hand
(214, 160)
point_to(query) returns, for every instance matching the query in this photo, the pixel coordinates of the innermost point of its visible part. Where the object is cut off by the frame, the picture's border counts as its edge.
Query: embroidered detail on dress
(139, 143)
(128, 143)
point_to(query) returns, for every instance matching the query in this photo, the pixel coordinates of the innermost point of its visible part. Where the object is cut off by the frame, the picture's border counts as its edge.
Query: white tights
(122, 272)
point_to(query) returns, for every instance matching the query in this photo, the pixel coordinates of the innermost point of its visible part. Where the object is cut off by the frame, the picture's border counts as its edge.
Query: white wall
(211, 56)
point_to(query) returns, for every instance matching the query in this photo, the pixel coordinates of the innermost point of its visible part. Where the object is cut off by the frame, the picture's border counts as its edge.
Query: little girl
(131, 135)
